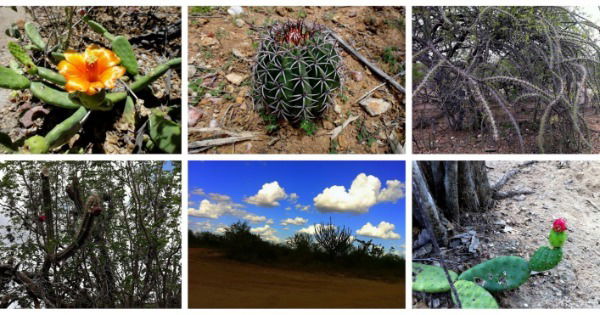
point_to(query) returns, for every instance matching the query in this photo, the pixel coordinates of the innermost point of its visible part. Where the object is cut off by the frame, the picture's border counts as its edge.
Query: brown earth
(432, 133)
(520, 225)
(217, 282)
(217, 47)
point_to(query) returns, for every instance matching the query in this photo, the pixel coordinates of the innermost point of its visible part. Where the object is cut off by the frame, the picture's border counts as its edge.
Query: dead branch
(498, 195)
(367, 63)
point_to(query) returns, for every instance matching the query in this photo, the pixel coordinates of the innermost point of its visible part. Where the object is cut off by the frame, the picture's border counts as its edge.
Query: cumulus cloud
(270, 221)
(393, 192)
(384, 230)
(224, 206)
(364, 193)
(294, 221)
(310, 229)
(221, 230)
(267, 233)
(268, 196)
(219, 197)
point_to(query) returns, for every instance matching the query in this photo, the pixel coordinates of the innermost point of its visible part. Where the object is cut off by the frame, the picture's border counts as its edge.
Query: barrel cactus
(297, 71)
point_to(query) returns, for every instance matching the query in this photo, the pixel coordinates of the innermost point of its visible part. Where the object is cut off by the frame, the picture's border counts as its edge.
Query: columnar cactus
(296, 72)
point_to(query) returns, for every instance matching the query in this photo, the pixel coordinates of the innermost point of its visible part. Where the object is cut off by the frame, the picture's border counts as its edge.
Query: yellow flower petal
(111, 75)
(94, 88)
(77, 84)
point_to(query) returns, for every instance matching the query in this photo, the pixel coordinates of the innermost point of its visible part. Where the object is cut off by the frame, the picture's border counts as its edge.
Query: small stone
(235, 78)
(194, 115)
(337, 108)
(356, 76)
(238, 53)
(328, 125)
(213, 124)
(206, 40)
(281, 11)
(191, 71)
(239, 22)
(352, 14)
(375, 106)
(235, 10)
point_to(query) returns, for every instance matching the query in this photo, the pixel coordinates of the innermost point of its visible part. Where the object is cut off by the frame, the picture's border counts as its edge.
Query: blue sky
(279, 198)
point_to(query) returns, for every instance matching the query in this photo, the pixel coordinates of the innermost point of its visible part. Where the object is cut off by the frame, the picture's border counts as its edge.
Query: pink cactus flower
(559, 225)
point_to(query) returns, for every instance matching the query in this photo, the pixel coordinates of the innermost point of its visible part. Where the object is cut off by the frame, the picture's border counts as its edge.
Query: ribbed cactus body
(545, 258)
(296, 72)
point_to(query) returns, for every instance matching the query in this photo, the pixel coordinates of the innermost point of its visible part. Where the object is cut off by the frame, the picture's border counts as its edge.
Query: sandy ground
(216, 282)
(217, 47)
(562, 189)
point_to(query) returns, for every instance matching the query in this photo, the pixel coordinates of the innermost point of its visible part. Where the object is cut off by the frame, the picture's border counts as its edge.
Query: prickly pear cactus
(500, 273)
(545, 258)
(296, 72)
(473, 296)
(431, 279)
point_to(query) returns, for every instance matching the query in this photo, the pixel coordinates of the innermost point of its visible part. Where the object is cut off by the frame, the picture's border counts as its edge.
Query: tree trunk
(443, 190)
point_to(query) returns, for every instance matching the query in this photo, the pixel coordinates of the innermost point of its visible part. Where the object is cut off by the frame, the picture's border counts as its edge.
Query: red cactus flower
(96, 210)
(559, 225)
(42, 218)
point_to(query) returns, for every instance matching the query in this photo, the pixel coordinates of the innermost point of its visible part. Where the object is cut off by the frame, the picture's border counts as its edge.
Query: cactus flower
(42, 218)
(92, 71)
(559, 225)
(558, 233)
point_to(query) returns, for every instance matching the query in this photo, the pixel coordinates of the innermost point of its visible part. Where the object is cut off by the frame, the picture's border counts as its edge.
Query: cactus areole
(296, 73)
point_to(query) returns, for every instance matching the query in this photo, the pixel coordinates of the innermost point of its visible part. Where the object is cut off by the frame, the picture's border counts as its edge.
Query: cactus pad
(500, 273)
(122, 48)
(165, 133)
(34, 36)
(9, 79)
(557, 239)
(51, 76)
(545, 258)
(52, 96)
(22, 57)
(432, 279)
(296, 72)
(473, 296)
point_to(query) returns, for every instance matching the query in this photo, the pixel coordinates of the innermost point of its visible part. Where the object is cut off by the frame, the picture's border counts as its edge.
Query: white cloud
(310, 229)
(295, 221)
(288, 208)
(267, 233)
(364, 193)
(268, 196)
(293, 197)
(221, 230)
(219, 197)
(191, 203)
(198, 191)
(302, 207)
(393, 192)
(383, 230)
(270, 221)
(255, 218)
(210, 210)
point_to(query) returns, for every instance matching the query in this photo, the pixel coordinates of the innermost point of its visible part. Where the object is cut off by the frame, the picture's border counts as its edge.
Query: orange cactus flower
(96, 69)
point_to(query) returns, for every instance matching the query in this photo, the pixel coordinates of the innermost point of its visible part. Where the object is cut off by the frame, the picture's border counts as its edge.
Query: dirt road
(216, 282)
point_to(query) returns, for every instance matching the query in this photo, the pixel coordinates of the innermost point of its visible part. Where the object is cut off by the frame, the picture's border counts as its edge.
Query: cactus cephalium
(296, 72)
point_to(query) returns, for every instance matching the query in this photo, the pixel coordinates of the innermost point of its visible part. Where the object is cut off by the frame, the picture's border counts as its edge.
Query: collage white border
(408, 157)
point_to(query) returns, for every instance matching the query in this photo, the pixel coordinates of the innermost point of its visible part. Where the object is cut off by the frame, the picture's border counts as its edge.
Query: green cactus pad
(473, 296)
(99, 28)
(500, 273)
(545, 258)
(22, 57)
(97, 101)
(34, 36)
(62, 132)
(165, 133)
(123, 49)
(36, 145)
(51, 76)
(52, 96)
(557, 239)
(432, 279)
(9, 79)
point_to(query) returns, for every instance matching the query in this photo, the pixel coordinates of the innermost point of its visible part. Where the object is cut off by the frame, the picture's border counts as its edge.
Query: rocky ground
(519, 225)
(155, 34)
(221, 52)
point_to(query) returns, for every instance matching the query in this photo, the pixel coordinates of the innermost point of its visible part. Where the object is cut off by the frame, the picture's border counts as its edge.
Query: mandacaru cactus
(501, 273)
(82, 84)
(296, 73)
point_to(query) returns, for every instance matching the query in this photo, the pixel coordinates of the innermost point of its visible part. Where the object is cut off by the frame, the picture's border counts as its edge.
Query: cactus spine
(296, 72)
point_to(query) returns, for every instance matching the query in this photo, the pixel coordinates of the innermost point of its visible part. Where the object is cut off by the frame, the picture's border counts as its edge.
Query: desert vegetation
(331, 248)
(505, 80)
(90, 235)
